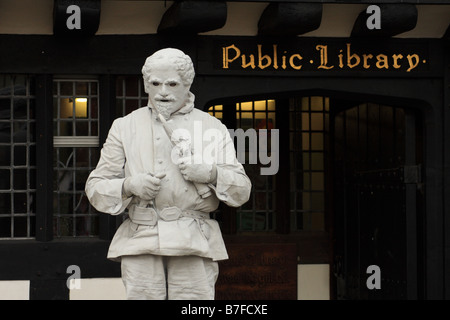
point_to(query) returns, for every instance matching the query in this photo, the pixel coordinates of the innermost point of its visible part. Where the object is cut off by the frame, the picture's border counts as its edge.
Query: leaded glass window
(17, 157)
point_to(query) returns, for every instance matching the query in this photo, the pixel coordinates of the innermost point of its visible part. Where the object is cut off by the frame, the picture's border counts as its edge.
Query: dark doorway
(378, 196)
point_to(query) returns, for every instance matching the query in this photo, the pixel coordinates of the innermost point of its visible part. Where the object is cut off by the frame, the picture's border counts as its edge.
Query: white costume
(177, 223)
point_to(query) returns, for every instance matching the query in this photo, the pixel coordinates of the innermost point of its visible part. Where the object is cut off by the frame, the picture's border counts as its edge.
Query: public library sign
(320, 55)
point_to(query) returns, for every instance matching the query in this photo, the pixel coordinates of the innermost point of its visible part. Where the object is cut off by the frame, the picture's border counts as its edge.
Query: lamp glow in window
(81, 107)
(68, 106)
(75, 142)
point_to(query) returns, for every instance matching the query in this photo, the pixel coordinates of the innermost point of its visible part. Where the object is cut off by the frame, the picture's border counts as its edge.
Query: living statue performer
(169, 164)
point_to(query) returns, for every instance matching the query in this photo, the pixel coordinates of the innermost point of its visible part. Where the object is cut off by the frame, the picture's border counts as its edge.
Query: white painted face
(166, 90)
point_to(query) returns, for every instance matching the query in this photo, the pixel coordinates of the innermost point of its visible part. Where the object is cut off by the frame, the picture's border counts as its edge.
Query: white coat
(138, 143)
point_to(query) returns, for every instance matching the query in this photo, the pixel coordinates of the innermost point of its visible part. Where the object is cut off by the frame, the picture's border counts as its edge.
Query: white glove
(143, 185)
(198, 172)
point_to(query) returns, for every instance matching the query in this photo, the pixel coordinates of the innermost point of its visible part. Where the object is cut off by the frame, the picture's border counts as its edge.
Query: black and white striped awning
(321, 18)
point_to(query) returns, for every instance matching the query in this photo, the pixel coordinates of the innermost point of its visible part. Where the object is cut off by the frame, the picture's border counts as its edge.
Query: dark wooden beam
(63, 19)
(395, 19)
(290, 19)
(191, 17)
(44, 158)
(107, 83)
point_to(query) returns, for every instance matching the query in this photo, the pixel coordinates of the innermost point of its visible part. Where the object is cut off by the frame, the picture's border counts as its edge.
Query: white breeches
(152, 277)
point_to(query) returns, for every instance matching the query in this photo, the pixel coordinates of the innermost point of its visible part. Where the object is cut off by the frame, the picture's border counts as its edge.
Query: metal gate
(378, 195)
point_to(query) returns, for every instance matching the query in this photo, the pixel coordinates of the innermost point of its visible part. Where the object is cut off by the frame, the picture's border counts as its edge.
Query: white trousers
(151, 277)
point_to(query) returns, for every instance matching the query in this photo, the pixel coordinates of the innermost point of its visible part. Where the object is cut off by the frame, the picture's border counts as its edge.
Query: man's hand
(143, 185)
(198, 172)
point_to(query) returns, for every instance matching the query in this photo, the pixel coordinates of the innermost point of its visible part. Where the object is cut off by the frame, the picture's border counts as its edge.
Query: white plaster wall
(99, 289)
(15, 290)
(313, 282)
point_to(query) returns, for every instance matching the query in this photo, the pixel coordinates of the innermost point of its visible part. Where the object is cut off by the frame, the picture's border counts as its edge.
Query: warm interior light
(81, 107)
(67, 107)
(259, 110)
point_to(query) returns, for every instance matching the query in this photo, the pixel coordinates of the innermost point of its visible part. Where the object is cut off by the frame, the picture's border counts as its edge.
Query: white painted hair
(178, 58)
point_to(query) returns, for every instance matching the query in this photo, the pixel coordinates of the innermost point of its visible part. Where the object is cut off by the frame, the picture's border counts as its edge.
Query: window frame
(69, 219)
(29, 166)
(45, 145)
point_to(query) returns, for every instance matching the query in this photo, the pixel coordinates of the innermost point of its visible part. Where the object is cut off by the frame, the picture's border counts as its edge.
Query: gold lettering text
(382, 61)
(275, 57)
(396, 57)
(411, 64)
(283, 59)
(352, 56)
(248, 64)
(323, 57)
(366, 57)
(291, 61)
(341, 60)
(261, 58)
(225, 55)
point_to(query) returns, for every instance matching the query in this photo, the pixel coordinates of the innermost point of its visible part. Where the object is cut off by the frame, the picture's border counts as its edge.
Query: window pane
(76, 114)
(317, 201)
(5, 227)
(306, 160)
(130, 94)
(258, 214)
(94, 128)
(73, 109)
(20, 155)
(20, 108)
(20, 179)
(20, 131)
(304, 122)
(21, 226)
(20, 203)
(317, 221)
(305, 141)
(317, 121)
(17, 156)
(81, 89)
(5, 203)
(317, 161)
(82, 128)
(5, 109)
(317, 141)
(309, 162)
(317, 181)
(71, 208)
(65, 88)
(317, 103)
(94, 108)
(5, 155)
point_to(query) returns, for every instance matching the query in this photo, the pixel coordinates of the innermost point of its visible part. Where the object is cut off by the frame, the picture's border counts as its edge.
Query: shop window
(76, 153)
(216, 111)
(258, 214)
(130, 94)
(308, 140)
(17, 157)
(308, 129)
